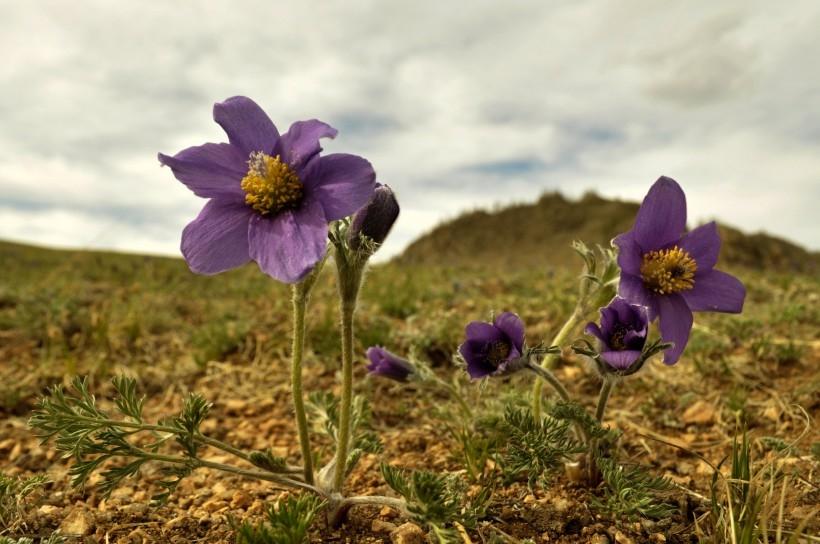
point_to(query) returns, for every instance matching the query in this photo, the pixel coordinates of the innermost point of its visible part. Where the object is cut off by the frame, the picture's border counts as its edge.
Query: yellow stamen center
(270, 185)
(667, 271)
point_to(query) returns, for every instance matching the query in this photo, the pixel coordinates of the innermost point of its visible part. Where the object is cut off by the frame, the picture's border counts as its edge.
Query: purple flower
(622, 333)
(271, 195)
(384, 363)
(672, 273)
(375, 219)
(490, 348)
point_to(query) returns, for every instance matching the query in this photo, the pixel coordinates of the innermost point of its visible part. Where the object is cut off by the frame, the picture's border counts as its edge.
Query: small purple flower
(490, 348)
(384, 363)
(672, 273)
(375, 219)
(271, 195)
(622, 333)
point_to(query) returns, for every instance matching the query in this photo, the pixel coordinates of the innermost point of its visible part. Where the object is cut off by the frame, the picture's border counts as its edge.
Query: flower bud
(385, 364)
(374, 220)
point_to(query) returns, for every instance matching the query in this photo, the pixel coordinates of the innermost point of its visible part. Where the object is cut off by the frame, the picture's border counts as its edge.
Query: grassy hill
(539, 235)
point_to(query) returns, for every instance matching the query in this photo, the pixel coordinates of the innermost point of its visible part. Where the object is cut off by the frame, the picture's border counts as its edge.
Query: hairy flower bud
(374, 220)
(383, 363)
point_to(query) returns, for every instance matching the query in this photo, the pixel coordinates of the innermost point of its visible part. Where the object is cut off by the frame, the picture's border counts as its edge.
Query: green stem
(348, 308)
(453, 390)
(550, 378)
(300, 297)
(606, 389)
(549, 361)
(556, 384)
(256, 475)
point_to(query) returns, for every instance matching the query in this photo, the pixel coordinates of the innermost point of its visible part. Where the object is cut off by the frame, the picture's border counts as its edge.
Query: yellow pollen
(270, 185)
(667, 271)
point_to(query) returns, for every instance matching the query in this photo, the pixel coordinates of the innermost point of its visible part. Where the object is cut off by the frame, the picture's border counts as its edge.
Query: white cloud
(457, 105)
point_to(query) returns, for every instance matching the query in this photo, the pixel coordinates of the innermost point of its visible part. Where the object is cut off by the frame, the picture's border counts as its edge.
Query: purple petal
(342, 183)
(630, 255)
(511, 325)
(620, 359)
(594, 330)
(716, 291)
(622, 309)
(217, 240)
(631, 288)
(210, 170)
(301, 142)
(609, 318)
(484, 332)
(703, 244)
(247, 126)
(661, 218)
(675, 324)
(289, 245)
(474, 352)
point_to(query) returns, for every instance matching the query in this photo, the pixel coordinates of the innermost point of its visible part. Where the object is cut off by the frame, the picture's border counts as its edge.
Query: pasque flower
(271, 195)
(491, 348)
(672, 273)
(375, 219)
(622, 333)
(385, 364)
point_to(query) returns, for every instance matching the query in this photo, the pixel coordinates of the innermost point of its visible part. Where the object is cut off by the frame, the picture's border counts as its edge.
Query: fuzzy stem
(254, 474)
(300, 296)
(398, 504)
(549, 361)
(606, 389)
(453, 390)
(348, 308)
(550, 378)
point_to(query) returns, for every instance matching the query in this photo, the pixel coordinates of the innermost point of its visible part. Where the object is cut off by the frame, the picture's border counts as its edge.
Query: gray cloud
(456, 107)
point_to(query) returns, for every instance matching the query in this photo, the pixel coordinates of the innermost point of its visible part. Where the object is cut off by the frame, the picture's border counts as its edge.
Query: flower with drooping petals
(385, 364)
(491, 349)
(622, 333)
(271, 195)
(672, 273)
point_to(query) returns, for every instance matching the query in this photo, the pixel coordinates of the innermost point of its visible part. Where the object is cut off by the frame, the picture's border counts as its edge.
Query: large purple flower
(622, 333)
(271, 195)
(491, 347)
(672, 273)
(383, 363)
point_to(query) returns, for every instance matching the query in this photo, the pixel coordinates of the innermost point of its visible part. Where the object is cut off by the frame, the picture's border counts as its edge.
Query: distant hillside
(540, 234)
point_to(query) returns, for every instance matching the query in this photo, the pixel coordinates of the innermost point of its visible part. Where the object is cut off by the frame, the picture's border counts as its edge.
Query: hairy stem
(254, 474)
(300, 296)
(559, 388)
(345, 407)
(455, 393)
(549, 361)
(550, 378)
(397, 504)
(606, 389)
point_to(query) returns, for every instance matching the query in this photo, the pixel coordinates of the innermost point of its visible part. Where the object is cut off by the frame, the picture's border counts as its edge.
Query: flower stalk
(299, 306)
(349, 267)
(301, 295)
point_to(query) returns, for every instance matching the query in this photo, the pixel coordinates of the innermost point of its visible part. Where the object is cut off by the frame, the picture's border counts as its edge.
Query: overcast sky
(458, 105)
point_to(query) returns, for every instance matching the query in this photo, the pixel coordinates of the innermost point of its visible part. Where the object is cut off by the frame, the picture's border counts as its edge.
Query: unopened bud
(373, 221)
